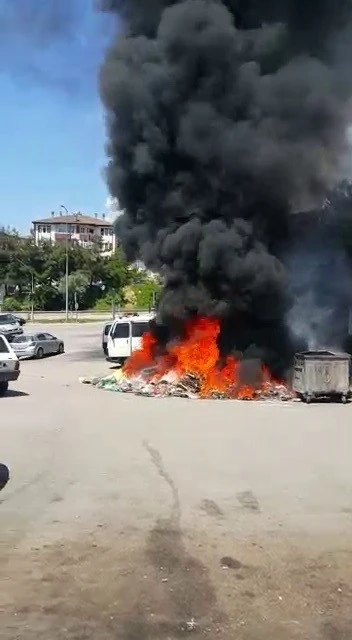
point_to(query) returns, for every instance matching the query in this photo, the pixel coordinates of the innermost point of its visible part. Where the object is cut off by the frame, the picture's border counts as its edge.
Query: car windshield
(5, 318)
(107, 329)
(22, 339)
(3, 346)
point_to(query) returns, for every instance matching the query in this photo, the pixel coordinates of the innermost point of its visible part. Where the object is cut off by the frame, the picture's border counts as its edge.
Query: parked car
(37, 345)
(9, 326)
(126, 336)
(9, 365)
(106, 331)
(21, 321)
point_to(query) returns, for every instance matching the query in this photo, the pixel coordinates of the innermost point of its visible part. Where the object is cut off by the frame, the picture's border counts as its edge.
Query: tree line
(35, 274)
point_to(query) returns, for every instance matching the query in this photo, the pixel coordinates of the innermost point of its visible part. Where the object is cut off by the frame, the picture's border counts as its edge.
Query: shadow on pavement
(12, 393)
(46, 356)
(85, 356)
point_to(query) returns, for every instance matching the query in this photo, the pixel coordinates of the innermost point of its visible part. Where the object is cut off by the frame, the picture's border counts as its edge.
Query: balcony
(62, 236)
(85, 237)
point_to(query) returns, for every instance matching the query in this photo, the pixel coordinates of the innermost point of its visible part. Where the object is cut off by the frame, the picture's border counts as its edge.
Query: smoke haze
(321, 285)
(224, 119)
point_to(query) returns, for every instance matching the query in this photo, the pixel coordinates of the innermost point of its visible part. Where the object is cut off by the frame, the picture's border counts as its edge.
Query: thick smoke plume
(225, 118)
(321, 284)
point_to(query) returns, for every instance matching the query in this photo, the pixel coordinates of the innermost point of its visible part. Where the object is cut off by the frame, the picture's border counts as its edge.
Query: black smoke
(224, 119)
(319, 269)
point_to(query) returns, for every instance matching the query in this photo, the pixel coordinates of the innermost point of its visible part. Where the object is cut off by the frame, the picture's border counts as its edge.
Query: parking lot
(130, 518)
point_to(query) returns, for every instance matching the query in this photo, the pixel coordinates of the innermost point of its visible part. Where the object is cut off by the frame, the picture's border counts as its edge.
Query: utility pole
(62, 206)
(2, 295)
(32, 295)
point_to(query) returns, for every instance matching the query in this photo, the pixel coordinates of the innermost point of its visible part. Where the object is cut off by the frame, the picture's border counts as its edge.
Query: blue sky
(52, 129)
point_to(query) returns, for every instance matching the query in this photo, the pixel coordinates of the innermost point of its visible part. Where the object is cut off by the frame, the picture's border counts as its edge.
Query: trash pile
(146, 383)
(192, 367)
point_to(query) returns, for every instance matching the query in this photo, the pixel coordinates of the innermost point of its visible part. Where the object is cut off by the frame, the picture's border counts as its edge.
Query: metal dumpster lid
(323, 354)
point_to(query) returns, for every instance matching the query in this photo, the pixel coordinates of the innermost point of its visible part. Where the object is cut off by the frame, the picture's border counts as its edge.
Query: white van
(126, 336)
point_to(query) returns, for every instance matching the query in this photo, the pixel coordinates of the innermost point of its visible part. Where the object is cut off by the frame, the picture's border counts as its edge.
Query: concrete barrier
(84, 315)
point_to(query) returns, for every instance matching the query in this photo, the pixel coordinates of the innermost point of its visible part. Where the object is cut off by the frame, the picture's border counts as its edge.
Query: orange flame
(143, 357)
(196, 354)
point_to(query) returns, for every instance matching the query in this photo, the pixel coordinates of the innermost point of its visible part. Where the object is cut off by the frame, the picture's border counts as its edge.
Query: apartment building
(76, 228)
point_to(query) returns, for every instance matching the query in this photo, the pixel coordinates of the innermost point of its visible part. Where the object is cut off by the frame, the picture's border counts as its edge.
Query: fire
(142, 358)
(196, 354)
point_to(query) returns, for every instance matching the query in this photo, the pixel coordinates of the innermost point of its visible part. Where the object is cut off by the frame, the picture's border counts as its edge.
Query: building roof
(76, 218)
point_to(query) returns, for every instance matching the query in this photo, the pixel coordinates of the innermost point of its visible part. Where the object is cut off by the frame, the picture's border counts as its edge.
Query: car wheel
(3, 388)
(39, 353)
(61, 348)
(4, 476)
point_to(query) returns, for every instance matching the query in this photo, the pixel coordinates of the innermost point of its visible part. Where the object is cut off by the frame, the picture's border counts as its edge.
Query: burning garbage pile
(192, 368)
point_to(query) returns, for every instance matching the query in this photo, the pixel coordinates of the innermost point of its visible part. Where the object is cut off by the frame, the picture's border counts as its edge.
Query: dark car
(10, 326)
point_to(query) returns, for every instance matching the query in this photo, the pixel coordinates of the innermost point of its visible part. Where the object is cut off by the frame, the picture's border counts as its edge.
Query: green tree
(96, 279)
(115, 277)
(78, 283)
(9, 243)
(116, 274)
(144, 293)
(92, 263)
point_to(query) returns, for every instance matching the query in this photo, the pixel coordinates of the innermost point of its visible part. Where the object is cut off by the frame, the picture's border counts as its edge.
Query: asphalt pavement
(130, 518)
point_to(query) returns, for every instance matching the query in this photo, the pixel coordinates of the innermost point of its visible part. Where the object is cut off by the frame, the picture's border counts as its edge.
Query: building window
(102, 231)
(40, 228)
(61, 228)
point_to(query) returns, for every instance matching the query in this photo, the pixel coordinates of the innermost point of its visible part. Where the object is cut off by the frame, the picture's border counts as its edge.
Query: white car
(9, 365)
(10, 326)
(125, 336)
